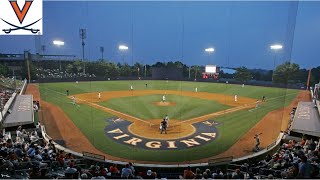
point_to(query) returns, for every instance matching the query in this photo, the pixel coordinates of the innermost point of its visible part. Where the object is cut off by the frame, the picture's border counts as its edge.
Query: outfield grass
(143, 107)
(91, 121)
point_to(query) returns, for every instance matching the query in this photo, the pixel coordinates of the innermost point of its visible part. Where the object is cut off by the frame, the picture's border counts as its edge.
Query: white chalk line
(105, 108)
(193, 119)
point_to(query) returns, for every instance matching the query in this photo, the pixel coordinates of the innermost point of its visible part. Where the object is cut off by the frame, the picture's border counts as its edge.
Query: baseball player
(257, 138)
(163, 98)
(196, 89)
(73, 100)
(257, 103)
(167, 120)
(99, 95)
(235, 98)
(131, 87)
(164, 126)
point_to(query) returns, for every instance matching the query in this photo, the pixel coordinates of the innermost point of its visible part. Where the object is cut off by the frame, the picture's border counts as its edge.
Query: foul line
(105, 108)
(189, 120)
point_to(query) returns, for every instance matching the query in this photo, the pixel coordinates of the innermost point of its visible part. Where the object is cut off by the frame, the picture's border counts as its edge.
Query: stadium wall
(161, 73)
(223, 81)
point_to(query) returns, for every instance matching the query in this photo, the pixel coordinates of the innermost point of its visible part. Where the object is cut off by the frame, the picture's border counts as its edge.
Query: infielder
(257, 103)
(131, 87)
(163, 98)
(196, 89)
(73, 100)
(235, 98)
(99, 95)
(167, 120)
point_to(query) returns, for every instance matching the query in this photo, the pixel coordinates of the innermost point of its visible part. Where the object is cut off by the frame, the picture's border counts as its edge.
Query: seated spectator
(198, 174)
(114, 169)
(188, 174)
(209, 174)
(102, 171)
(217, 174)
(35, 173)
(126, 172)
(237, 174)
(131, 167)
(305, 168)
(150, 175)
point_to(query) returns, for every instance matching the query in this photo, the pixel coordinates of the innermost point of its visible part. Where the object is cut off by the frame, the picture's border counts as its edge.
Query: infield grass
(143, 107)
(92, 122)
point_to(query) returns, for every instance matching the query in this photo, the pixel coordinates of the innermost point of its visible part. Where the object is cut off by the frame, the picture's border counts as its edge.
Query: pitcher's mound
(164, 103)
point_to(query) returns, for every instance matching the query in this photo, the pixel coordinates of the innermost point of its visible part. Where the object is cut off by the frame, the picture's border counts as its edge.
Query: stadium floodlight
(58, 43)
(123, 48)
(276, 47)
(209, 50)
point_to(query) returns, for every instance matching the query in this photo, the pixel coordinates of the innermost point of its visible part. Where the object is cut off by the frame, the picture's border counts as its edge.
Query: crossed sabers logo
(21, 14)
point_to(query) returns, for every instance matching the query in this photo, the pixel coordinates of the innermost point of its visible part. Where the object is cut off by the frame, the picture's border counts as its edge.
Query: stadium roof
(306, 119)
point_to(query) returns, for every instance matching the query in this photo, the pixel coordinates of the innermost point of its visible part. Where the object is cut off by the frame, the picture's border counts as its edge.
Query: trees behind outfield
(286, 73)
(243, 74)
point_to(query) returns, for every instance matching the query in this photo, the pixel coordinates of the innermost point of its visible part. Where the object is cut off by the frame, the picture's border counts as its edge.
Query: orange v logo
(21, 14)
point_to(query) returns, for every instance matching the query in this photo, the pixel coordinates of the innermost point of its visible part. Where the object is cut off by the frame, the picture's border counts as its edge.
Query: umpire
(164, 126)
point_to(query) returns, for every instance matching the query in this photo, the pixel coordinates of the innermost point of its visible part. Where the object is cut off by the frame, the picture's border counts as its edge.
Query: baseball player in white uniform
(73, 100)
(99, 95)
(131, 87)
(163, 98)
(196, 89)
(167, 119)
(235, 98)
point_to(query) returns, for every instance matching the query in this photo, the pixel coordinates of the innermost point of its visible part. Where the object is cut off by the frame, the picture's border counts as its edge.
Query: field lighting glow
(58, 42)
(209, 49)
(123, 47)
(276, 46)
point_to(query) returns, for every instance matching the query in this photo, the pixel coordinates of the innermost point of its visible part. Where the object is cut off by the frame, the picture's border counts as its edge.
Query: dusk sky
(240, 32)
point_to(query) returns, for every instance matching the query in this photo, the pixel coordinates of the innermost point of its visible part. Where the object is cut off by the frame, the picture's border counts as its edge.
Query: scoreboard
(211, 71)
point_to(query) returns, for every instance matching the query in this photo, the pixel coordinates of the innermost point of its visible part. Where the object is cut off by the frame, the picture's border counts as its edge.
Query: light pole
(275, 48)
(209, 51)
(102, 51)
(83, 36)
(123, 48)
(58, 43)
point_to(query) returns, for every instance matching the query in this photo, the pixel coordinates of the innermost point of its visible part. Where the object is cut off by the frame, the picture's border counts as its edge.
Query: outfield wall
(223, 81)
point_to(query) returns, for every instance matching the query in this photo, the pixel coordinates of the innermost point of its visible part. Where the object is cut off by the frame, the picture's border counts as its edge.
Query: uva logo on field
(21, 17)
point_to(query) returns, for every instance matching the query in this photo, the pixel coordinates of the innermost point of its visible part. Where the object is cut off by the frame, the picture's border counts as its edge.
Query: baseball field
(204, 119)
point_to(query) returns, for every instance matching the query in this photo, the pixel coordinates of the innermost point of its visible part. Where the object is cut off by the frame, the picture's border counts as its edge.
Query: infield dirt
(59, 126)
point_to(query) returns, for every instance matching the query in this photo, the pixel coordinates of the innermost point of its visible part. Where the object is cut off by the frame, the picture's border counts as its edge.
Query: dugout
(306, 120)
(159, 73)
(21, 112)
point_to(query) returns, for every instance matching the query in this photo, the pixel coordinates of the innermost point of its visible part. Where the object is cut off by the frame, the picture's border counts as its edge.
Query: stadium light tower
(58, 43)
(83, 36)
(209, 50)
(123, 48)
(102, 51)
(275, 48)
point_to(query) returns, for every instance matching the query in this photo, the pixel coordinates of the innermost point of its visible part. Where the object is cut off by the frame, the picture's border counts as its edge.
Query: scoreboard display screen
(211, 69)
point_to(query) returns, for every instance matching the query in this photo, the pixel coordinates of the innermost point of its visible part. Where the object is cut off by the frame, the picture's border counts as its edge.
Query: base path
(150, 128)
(64, 128)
